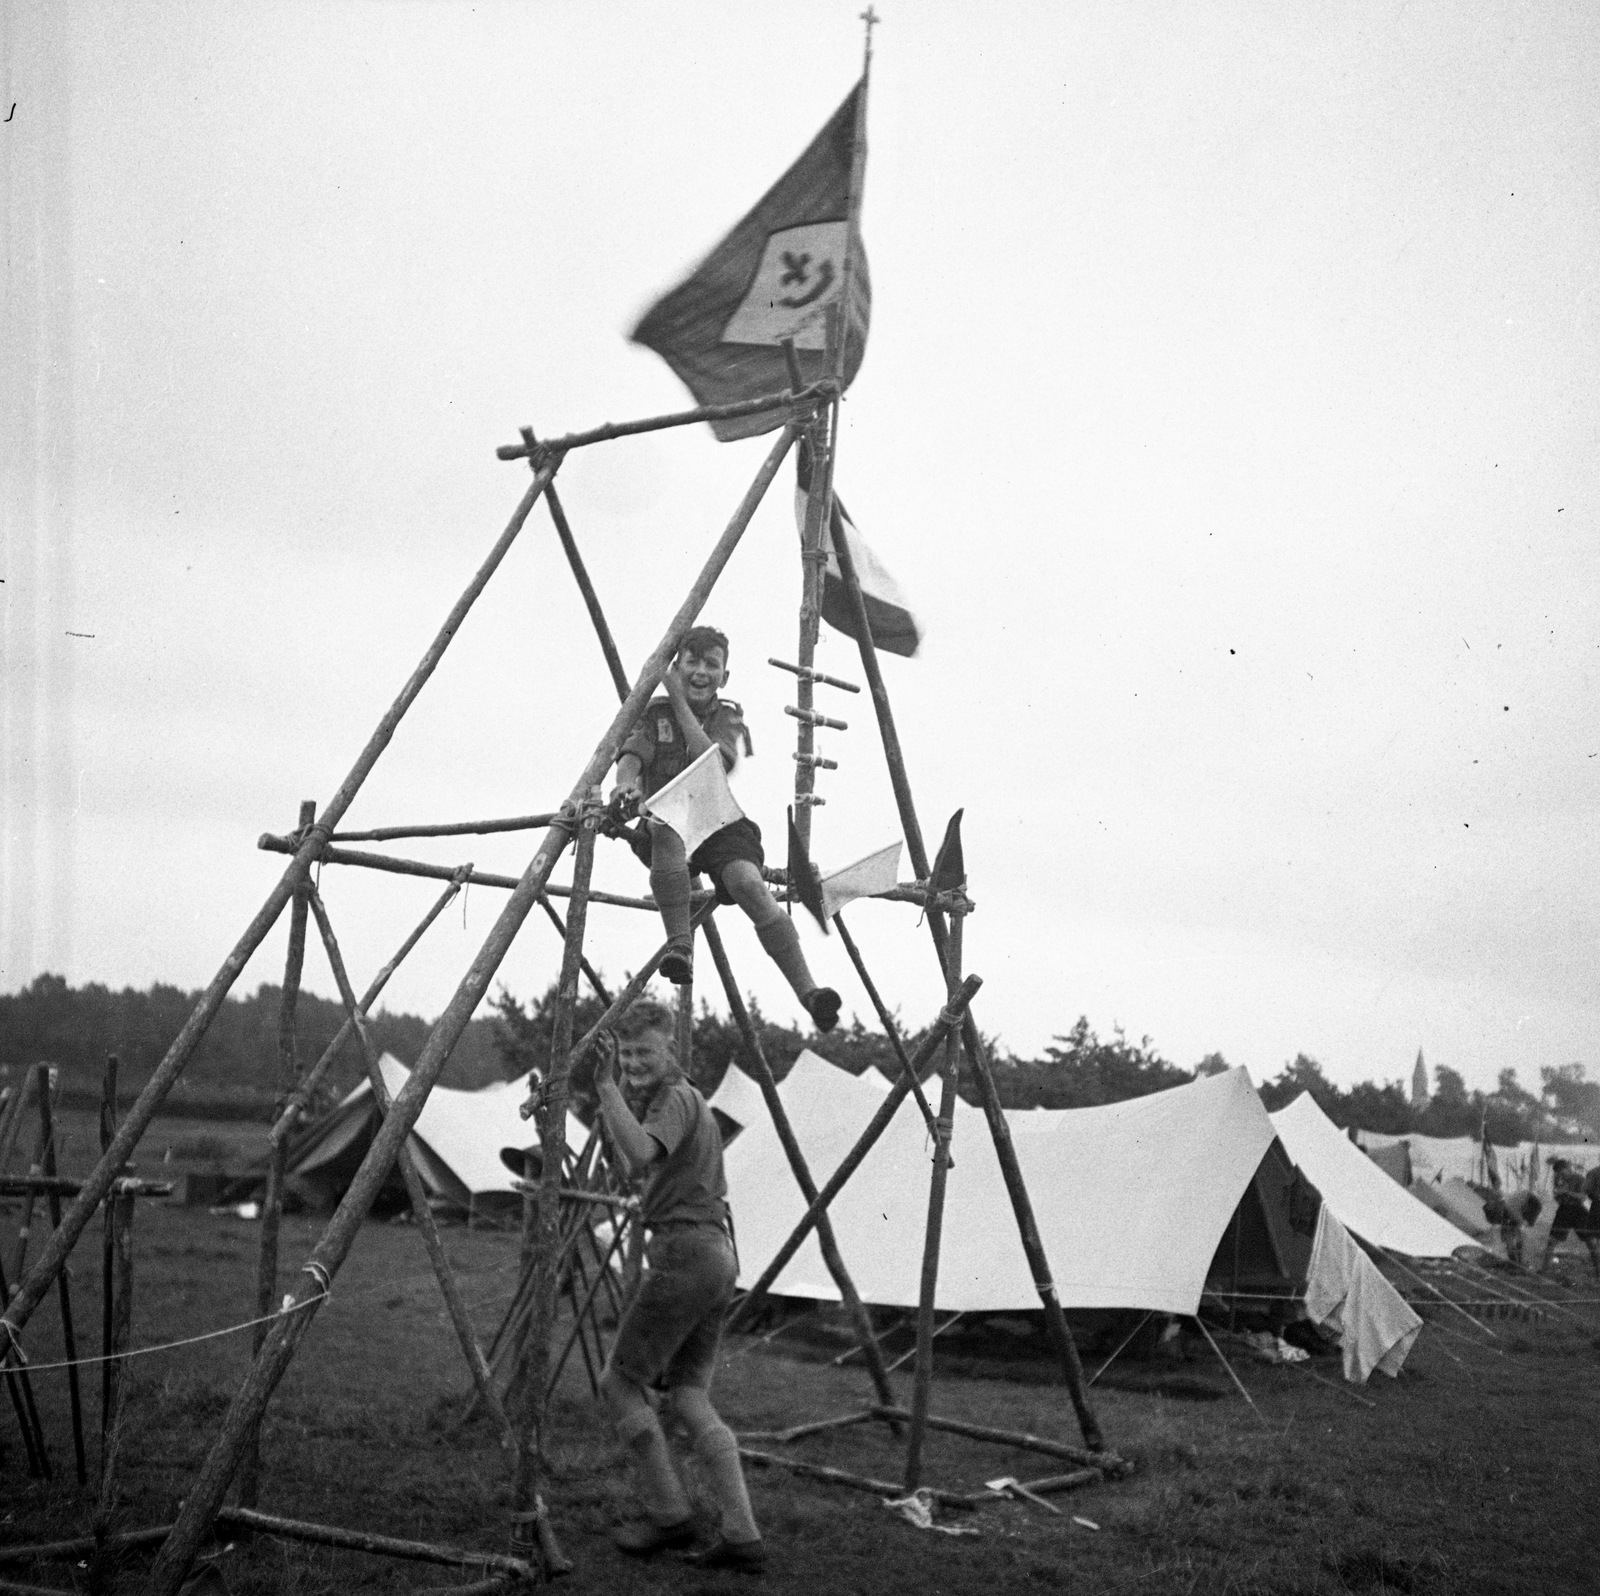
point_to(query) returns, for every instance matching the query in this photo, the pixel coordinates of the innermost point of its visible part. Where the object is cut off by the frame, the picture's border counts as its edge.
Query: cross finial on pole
(872, 19)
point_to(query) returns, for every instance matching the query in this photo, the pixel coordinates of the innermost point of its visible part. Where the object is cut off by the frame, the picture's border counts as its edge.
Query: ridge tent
(1133, 1201)
(457, 1143)
(1359, 1193)
(1524, 1166)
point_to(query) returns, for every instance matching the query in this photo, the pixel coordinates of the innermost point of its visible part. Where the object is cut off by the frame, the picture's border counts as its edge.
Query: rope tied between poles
(323, 1279)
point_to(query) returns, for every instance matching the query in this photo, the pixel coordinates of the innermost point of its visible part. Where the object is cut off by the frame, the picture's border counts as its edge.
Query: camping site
(740, 749)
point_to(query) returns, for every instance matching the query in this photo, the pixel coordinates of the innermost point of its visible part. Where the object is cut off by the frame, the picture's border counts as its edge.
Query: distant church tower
(1419, 1083)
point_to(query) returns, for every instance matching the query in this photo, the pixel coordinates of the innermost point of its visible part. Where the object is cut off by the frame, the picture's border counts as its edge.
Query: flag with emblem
(777, 276)
(696, 802)
(894, 627)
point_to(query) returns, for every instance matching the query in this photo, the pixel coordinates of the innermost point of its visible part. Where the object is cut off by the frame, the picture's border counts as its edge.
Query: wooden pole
(268, 843)
(459, 1317)
(69, 1339)
(580, 573)
(792, 406)
(1107, 1461)
(16, 1373)
(922, 1382)
(277, 1154)
(457, 828)
(120, 1205)
(43, 1087)
(527, 1505)
(108, 1129)
(32, 1288)
(300, 1098)
(938, 929)
(380, 1545)
(209, 1484)
(758, 1068)
(949, 1017)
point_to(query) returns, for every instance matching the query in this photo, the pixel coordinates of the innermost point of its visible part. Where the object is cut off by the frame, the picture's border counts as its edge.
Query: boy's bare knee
(742, 881)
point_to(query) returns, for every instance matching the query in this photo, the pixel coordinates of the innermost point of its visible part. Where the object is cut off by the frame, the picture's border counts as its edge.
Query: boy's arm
(630, 775)
(695, 736)
(638, 1148)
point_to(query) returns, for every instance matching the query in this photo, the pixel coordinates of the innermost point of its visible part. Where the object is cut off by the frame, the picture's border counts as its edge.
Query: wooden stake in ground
(208, 1485)
(120, 1208)
(761, 1071)
(108, 1129)
(69, 1339)
(277, 1154)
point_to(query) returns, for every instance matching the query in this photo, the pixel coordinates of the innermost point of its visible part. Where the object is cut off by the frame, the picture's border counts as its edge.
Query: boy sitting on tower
(672, 734)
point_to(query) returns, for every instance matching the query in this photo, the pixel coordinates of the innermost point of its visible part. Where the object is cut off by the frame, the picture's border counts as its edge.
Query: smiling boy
(673, 732)
(671, 1330)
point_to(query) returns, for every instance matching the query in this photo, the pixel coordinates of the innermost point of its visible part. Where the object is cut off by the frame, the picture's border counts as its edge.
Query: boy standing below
(670, 1332)
(672, 734)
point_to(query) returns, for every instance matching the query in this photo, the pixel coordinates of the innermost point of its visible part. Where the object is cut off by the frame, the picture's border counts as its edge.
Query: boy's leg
(718, 1450)
(742, 882)
(661, 1492)
(669, 885)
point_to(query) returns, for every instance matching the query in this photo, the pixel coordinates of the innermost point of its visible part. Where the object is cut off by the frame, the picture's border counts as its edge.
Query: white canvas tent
(1364, 1198)
(1522, 1167)
(1132, 1198)
(457, 1141)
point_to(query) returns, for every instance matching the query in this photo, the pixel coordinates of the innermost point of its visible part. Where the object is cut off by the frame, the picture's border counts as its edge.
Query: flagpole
(824, 437)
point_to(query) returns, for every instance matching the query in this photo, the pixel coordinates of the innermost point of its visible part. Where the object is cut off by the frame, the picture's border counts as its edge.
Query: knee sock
(718, 1451)
(669, 881)
(782, 943)
(661, 1492)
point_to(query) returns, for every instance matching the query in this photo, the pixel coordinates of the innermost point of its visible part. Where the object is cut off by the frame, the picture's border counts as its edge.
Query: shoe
(642, 1537)
(745, 1557)
(677, 963)
(822, 1004)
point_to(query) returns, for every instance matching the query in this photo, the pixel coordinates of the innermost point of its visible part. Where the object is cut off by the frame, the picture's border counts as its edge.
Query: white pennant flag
(878, 872)
(696, 802)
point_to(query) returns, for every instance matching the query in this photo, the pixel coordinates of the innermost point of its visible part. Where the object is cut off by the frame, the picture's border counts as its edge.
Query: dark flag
(894, 627)
(776, 276)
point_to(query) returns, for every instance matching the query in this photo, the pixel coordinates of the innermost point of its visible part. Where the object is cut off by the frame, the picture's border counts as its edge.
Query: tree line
(235, 1069)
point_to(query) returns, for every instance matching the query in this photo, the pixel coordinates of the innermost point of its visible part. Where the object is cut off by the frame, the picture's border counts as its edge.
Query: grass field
(1478, 1470)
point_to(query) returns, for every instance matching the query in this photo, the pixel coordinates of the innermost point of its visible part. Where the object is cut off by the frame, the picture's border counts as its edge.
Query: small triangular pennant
(949, 868)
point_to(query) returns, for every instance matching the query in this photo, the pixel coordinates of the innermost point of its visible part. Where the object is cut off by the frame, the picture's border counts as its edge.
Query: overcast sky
(1229, 412)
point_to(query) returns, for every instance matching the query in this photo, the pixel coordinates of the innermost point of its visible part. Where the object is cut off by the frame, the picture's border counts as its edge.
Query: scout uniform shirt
(657, 740)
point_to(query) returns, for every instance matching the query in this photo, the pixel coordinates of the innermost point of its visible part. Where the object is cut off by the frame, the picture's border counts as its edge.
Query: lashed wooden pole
(108, 1129)
(31, 1290)
(938, 929)
(949, 1017)
(121, 1213)
(761, 1071)
(277, 1153)
(459, 1317)
(206, 1491)
(69, 1339)
(922, 1383)
(531, 1533)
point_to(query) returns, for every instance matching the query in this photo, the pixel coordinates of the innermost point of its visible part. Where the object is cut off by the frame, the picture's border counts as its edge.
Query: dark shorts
(672, 1328)
(741, 840)
(1570, 1217)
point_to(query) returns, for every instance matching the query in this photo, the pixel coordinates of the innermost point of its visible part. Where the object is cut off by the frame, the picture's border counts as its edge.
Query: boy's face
(702, 673)
(646, 1060)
